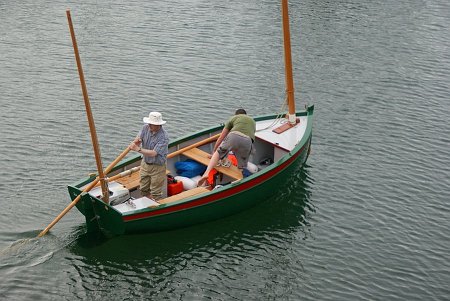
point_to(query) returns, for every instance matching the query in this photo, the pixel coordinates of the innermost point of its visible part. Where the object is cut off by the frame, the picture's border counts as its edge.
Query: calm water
(366, 219)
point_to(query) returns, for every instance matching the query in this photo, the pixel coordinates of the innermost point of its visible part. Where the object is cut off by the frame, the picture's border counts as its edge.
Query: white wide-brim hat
(154, 118)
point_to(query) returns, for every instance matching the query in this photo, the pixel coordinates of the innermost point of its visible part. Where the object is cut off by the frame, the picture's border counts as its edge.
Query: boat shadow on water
(283, 218)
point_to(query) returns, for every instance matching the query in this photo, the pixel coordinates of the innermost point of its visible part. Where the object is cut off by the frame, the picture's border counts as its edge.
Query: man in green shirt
(238, 136)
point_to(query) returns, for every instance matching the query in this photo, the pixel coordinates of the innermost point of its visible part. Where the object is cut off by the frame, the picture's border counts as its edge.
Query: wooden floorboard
(130, 182)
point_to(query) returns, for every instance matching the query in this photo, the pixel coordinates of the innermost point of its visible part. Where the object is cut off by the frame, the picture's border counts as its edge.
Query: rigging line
(279, 115)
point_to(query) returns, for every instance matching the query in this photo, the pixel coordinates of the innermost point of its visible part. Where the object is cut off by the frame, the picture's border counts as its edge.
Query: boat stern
(99, 215)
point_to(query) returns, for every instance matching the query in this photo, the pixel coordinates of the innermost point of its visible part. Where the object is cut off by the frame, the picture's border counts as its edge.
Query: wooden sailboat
(282, 144)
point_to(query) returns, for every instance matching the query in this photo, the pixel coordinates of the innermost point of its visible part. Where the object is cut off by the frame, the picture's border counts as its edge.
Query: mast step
(284, 127)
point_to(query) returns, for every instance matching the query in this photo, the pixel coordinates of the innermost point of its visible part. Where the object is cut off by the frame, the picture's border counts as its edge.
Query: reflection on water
(159, 259)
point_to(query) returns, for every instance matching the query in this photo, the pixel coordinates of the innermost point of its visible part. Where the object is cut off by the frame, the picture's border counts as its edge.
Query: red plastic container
(174, 188)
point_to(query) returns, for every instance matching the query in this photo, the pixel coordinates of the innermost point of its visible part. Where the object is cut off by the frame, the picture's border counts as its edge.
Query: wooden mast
(288, 62)
(98, 160)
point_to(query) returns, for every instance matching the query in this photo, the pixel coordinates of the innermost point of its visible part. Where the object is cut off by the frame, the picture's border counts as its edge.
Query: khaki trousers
(152, 179)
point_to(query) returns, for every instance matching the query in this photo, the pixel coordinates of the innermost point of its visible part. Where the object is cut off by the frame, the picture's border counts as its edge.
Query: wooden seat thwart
(202, 157)
(184, 194)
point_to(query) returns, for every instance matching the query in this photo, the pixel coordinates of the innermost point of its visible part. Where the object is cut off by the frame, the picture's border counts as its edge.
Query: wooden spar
(290, 99)
(87, 189)
(288, 62)
(202, 142)
(98, 160)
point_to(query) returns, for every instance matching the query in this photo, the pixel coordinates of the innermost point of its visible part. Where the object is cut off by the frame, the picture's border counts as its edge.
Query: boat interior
(269, 147)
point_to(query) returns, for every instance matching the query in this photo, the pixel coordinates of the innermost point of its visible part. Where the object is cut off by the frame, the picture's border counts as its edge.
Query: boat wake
(17, 254)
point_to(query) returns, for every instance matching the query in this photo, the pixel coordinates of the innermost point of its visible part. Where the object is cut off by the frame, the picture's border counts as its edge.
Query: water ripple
(367, 219)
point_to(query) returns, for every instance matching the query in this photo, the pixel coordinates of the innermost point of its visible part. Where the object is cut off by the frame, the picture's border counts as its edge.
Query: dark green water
(366, 219)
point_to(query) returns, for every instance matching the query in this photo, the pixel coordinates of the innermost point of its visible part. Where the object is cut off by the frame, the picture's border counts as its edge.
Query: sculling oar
(202, 142)
(87, 189)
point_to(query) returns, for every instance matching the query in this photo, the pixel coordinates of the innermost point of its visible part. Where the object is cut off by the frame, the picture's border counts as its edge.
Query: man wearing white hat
(153, 143)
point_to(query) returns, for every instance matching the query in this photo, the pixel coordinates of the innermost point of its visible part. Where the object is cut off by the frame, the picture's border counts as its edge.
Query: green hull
(225, 201)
